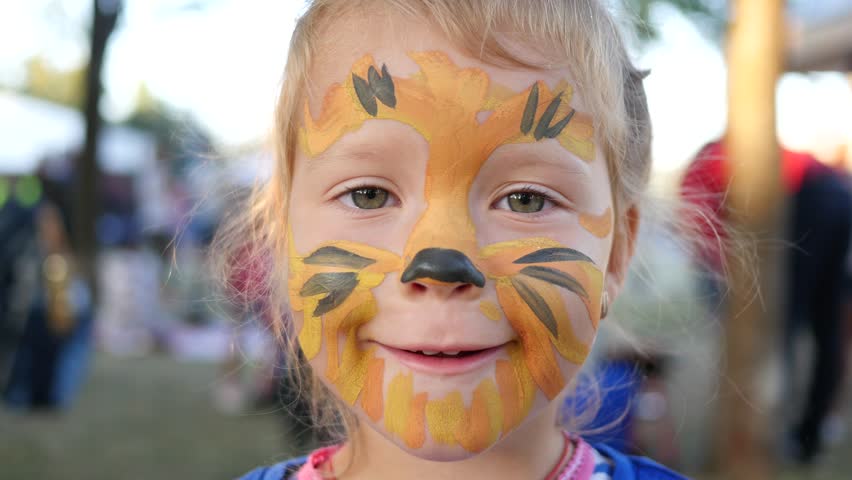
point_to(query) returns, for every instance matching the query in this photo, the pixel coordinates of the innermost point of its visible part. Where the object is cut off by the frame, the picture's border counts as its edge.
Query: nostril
(418, 287)
(463, 288)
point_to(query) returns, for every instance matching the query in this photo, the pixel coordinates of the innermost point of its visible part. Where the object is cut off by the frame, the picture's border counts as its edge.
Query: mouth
(444, 361)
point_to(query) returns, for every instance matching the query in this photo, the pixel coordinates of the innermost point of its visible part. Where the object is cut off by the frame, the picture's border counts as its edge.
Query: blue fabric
(618, 383)
(277, 471)
(628, 467)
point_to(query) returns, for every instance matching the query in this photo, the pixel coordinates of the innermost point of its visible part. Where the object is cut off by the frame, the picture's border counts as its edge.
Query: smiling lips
(444, 361)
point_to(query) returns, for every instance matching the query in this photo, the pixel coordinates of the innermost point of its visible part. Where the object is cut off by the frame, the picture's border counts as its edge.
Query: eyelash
(349, 189)
(532, 189)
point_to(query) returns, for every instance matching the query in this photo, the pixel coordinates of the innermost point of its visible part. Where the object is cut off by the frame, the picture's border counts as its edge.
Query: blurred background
(128, 126)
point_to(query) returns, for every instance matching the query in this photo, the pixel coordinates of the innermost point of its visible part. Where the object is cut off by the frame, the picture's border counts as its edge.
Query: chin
(437, 453)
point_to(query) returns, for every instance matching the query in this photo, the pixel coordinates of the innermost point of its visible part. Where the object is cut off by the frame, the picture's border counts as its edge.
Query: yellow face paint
(517, 388)
(332, 286)
(490, 309)
(404, 413)
(444, 417)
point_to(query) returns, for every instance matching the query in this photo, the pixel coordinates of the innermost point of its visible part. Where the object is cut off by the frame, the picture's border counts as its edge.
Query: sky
(223, 65)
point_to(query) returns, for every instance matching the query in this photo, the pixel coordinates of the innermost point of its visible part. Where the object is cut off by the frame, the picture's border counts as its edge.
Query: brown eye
(369, 198)
(525, 202)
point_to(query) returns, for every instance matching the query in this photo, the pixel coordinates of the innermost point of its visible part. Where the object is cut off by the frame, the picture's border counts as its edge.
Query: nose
(445, 268)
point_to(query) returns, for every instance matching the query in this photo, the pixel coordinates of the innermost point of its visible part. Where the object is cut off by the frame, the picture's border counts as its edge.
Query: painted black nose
(444, 265)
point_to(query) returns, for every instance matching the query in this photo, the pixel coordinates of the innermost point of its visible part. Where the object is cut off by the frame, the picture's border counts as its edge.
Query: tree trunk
(755, 207)
(86, 191)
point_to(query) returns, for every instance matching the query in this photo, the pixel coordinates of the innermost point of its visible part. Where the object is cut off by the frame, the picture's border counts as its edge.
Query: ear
(623, 248)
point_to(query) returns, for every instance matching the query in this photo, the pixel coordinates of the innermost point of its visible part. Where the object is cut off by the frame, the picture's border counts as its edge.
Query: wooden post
(754, 205)
(86, 188)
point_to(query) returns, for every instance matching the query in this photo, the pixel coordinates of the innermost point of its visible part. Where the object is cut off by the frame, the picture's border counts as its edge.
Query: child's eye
(524, 201)
(366, 198)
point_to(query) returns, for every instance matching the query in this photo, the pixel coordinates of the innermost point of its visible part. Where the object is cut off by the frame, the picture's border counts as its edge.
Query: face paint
(333, 285)
(372, 401)
(405, 411)
(599, 226)
(490, 309)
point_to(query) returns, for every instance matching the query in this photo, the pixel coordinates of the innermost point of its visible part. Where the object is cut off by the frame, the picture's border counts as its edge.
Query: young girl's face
(450, 228)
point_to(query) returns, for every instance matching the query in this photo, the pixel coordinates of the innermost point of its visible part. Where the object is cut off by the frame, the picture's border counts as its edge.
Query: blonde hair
(579, 34)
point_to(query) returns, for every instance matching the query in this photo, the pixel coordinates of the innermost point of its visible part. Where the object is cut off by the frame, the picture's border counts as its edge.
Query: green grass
(141, 418)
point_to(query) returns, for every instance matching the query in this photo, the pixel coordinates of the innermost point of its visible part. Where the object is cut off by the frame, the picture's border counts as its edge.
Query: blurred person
(17, 242)
(452, 213)
(52, 357)
(818, 227)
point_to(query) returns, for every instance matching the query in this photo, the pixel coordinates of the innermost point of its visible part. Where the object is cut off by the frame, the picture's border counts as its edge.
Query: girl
(453, 211)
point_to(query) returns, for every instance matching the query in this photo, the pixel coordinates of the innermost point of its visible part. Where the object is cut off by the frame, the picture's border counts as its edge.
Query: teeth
(436, 352)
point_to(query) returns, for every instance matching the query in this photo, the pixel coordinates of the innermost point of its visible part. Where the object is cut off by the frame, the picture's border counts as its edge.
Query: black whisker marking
(554, 254)
(555, 130)
(556, 277)
(528, 117)
(365, 95)
(382, 86)
(337, 285)
(536, 303)
(376, 86)
(547, 117)
(338, 257)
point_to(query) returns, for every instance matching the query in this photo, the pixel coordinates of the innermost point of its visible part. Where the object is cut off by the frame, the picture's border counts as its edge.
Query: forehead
(389, 39)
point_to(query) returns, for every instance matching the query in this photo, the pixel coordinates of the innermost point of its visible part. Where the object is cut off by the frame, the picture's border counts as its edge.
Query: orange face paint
(483, 421)
(372, 400)
(538, 354)
(599, 226)
(415, 434)
(510, 393)
(460, 94)
(333, 285)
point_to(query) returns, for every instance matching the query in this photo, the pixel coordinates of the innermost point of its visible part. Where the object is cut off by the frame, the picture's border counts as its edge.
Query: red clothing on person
(705, 185)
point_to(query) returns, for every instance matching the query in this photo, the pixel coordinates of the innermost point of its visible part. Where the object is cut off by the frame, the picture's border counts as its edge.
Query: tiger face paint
(428, 290)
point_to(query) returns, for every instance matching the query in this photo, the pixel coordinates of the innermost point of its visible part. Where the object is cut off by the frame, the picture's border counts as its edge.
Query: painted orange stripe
(598, 225)
(566, 343)
(525, 380)
(510, 392)
(372, 399)
(484, 419)
(415, 434)
(537, 349)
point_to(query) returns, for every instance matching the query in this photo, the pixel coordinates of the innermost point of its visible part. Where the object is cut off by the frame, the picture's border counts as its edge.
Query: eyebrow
(356, 153)
(532, 155)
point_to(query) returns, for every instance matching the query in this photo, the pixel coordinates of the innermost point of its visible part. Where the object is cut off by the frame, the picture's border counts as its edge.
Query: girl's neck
(532, 451)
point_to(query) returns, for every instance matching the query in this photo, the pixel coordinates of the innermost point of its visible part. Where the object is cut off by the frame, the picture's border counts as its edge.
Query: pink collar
(579, 466)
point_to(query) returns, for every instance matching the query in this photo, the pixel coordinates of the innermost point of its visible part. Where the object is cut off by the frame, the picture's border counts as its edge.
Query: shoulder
(279, 471)
(628, 467)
